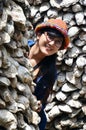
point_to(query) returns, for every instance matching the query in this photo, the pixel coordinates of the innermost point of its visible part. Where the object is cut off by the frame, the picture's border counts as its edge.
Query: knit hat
(59, 25)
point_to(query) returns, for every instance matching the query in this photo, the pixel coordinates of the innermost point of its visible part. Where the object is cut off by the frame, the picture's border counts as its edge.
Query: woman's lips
(48, 47)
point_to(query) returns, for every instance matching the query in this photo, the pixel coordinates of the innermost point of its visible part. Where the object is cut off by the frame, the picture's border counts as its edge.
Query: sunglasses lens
(51, 36)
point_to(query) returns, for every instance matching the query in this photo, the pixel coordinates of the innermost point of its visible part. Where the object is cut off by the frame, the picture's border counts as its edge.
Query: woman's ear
(38, 35)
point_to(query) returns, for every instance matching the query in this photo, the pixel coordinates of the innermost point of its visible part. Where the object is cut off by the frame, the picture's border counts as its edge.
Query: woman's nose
(52, 42)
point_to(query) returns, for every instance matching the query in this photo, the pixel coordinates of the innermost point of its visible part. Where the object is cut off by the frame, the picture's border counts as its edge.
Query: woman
(51, 37)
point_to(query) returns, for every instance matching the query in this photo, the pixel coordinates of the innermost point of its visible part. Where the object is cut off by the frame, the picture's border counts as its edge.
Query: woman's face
(49, 44)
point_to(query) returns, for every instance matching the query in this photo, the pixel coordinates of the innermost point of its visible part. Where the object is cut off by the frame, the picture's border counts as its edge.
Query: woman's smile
(48, 47)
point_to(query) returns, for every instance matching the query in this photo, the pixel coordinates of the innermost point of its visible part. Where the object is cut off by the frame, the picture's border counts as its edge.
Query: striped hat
(59, 25)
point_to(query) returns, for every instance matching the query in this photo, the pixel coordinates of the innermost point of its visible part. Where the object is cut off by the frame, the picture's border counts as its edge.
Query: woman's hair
(48, 67)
